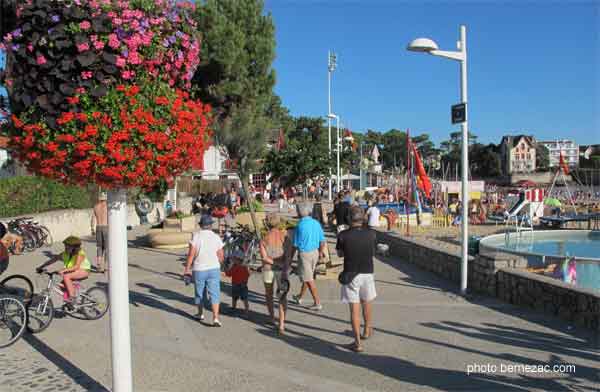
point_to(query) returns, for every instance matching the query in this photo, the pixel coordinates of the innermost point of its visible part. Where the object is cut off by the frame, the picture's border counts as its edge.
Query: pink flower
(80, 90)
(127, 74)
(85, 25)
(117, 21)
(30, 47)
(41, 60)
(121, 62)
(134, 58)
(83, 47)
(99, 45)
(113, 41)
(86, 74)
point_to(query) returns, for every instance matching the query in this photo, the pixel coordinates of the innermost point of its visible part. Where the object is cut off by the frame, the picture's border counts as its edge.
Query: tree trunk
(249, 200)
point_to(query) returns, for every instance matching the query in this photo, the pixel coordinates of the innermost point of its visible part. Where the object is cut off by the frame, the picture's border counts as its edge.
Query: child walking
(239, 274)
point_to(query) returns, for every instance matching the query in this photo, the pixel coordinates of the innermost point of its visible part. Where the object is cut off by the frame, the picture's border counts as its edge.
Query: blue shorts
(239, 291)
(211, 279)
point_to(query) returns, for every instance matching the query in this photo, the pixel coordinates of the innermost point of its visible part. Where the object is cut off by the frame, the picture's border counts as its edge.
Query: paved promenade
(426, 338)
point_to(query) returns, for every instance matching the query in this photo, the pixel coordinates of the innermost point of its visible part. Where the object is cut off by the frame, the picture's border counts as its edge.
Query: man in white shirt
(373, 214)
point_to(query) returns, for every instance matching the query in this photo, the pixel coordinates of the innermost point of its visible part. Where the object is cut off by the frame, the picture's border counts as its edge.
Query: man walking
(341, 211)
(101, 218)
(357, 246)
(309, 240)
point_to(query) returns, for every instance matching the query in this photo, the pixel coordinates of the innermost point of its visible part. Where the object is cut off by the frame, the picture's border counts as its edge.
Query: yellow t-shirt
(72, 261)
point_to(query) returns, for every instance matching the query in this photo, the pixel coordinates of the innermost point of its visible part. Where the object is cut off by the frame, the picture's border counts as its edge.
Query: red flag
(424, 183)
(563, 164)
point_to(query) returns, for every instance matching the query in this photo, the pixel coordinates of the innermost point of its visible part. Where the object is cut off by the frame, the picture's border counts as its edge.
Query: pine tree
(236, 77)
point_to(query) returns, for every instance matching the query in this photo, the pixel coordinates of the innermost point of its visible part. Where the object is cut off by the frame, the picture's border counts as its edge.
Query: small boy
(239, 274)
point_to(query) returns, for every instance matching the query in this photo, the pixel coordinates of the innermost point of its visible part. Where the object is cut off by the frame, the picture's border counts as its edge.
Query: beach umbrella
(526, 184)
(552, 202)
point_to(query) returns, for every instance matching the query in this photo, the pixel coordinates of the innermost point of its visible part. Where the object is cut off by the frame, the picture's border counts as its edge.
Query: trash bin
(474, 245)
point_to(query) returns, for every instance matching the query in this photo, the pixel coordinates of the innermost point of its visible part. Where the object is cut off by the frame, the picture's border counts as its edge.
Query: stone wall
(434, 257)
(63, 223)
(577, 305)
(503, 276)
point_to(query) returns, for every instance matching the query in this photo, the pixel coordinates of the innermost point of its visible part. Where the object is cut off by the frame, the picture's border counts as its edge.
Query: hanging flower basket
(97, 91)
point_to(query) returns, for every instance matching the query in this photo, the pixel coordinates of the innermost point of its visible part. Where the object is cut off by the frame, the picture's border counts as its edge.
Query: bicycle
(19, 286)
(92, 303)
(33, 234)
(244, 241)
(13, 319)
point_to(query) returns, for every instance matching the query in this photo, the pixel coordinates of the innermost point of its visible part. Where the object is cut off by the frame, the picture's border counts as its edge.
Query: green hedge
(29, 194)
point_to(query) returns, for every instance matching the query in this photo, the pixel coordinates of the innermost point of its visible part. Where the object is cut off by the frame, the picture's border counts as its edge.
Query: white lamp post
(426, 45)
(118, 290)
(331, 64)
(337, 124)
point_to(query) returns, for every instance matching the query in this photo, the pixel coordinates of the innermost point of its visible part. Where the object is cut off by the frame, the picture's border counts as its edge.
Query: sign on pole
(459, 113)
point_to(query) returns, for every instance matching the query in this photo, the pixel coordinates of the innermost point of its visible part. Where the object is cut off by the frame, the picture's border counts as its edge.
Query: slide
(514, 210)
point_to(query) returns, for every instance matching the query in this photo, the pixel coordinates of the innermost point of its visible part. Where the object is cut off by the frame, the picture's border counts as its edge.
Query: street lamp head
(422, 45)
(332, 116)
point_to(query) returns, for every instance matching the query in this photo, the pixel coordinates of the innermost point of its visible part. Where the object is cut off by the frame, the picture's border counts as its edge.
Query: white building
(518, 154)
(217, 165)
(569, 148)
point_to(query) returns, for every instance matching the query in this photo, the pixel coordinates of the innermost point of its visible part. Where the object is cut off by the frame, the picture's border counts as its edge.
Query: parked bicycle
(90, 304)
(241, 239)
(33, 234)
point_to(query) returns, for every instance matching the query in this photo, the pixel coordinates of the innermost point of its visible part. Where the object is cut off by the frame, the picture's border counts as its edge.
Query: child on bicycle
(76, 264)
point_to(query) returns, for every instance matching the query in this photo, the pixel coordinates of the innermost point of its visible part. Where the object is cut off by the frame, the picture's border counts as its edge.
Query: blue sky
(534, 67)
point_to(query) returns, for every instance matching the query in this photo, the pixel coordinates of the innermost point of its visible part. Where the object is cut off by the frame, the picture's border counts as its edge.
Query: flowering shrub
(96, 91)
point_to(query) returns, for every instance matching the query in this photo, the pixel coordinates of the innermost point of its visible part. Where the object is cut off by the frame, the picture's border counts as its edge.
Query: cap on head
(102, 196)
(206, 221)
(72, 241)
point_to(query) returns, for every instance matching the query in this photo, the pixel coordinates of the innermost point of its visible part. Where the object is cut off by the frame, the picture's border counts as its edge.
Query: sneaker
(199, 316)
(316, 307)
(296, 299)
(216, 323)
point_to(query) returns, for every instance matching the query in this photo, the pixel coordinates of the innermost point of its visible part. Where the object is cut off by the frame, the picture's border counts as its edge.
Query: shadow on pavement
(408, 372)
(71, 370)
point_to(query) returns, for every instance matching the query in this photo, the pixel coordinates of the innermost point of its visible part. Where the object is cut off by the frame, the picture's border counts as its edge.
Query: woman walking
(275, 250)
(204, 259)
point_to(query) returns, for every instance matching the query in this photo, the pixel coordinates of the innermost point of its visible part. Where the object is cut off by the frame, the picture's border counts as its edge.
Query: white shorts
(270, 277)
(362, 288)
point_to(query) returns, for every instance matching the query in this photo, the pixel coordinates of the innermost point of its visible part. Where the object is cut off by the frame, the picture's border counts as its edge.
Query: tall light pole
(428, 46)
(338, 139)
(331, 64)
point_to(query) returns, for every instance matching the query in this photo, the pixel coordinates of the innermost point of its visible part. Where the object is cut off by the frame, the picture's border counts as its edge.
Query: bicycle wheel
(46, 234)
(37, 235)
(40, 313)
(13, 320)
(18, 285)
(29, 240)
(94, 303)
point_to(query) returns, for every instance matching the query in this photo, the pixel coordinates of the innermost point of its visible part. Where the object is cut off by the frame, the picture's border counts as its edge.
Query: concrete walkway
(426, 338)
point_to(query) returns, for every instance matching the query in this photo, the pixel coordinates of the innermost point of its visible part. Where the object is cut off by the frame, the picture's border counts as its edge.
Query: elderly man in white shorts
(357, 246)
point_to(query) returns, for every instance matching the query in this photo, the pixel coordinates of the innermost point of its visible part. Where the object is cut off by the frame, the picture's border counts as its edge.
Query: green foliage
(258, 207)
(451, 149)
(235, 76)
(542, 158)
(300, 160)
(485, 161)
(28, 195)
